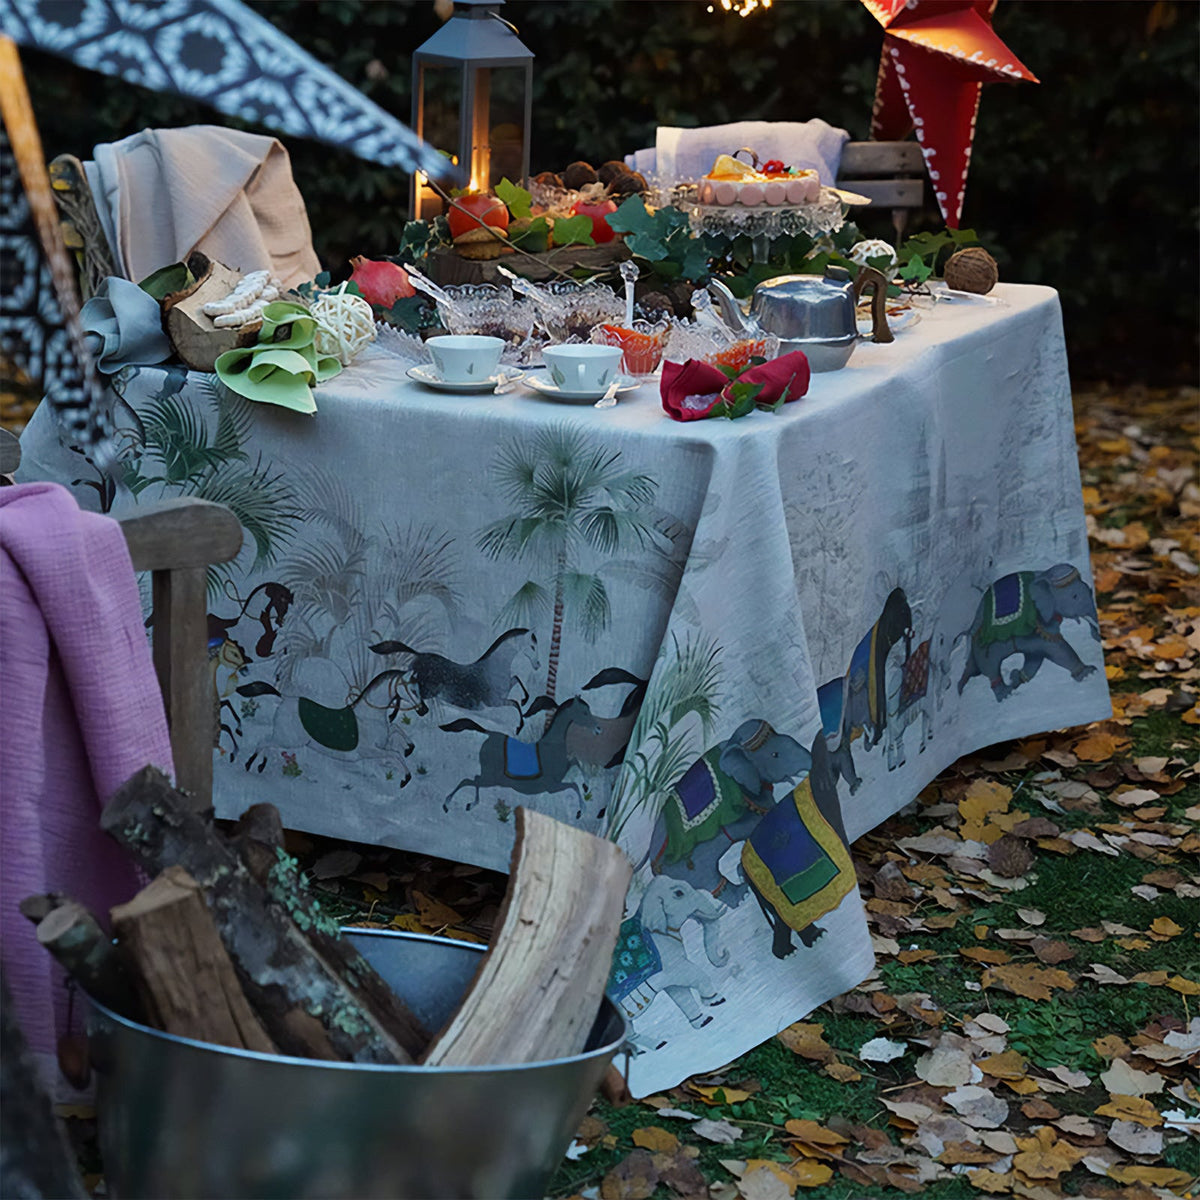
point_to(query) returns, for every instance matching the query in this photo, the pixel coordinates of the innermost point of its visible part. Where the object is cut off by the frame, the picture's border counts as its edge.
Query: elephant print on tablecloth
(1022, 613)
(650, 956)
(791, 855)
(857, 702)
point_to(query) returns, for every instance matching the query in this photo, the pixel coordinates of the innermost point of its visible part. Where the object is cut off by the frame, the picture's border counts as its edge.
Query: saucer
(423, 373)
(551, 389)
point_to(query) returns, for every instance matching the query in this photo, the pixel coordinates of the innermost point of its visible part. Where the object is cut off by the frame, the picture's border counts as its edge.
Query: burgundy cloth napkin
(691, 390)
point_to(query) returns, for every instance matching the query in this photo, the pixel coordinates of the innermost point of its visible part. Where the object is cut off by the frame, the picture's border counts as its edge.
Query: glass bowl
(643, 344)
(490, 310)
(568, 311)
(712, 344)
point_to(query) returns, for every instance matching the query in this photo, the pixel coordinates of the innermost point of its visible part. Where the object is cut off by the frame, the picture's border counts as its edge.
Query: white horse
(359, 731)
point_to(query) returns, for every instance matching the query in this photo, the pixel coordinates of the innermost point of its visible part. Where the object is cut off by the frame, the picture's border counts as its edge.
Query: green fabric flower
(284, 366)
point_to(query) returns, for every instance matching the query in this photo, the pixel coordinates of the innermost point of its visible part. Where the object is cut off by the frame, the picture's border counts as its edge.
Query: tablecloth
(731, 645)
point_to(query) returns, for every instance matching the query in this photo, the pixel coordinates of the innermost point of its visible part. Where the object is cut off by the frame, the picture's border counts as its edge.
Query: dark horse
(279, 600)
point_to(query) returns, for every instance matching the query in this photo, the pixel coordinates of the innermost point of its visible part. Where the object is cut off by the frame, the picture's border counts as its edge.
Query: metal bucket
(189, 1120)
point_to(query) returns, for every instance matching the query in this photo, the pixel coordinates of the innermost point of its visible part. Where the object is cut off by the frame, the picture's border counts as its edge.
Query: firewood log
(180, 967)
(537, 990)
(258, 840)
(85, 951)
(306, 1007)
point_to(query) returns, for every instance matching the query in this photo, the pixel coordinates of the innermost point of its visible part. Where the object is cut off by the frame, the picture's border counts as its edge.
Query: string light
(743, 8)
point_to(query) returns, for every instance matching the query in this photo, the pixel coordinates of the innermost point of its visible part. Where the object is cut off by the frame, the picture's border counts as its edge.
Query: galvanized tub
(186, 1120)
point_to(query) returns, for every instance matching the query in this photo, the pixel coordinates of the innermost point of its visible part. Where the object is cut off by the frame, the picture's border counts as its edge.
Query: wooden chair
(889, 174)
(176, 540)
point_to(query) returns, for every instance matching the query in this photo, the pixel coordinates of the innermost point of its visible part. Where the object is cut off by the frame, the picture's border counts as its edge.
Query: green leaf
(516, 199)
(573, 231)
(646, 246)
(534, 237)
(744, 397)
(631, 217)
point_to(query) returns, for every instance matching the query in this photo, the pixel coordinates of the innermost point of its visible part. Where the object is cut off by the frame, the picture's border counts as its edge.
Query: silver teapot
(813, 313)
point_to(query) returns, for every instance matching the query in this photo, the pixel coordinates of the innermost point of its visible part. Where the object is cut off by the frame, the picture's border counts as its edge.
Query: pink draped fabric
(82, 712)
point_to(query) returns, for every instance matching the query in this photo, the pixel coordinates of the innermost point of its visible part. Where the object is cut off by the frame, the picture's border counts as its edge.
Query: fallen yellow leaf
(1043, 1156)
(1100, 746)
(1165, 927)
(985, 954)
(991, 1181)
(1166, 1177)
(808, 1041)
(1010, 1064)
(654, 1137)
(814, 1133)
(1131, 1108)
(1031, 982)
(1185, 987)
(720, 1094)
(842, 1072)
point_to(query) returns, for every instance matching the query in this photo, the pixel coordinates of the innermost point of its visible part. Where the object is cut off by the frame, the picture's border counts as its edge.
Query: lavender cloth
(82, 713)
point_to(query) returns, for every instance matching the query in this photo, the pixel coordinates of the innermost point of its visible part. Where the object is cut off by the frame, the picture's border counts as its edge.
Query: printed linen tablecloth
(730, 645)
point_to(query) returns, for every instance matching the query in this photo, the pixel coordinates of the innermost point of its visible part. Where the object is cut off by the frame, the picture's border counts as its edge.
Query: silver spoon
(609, 399)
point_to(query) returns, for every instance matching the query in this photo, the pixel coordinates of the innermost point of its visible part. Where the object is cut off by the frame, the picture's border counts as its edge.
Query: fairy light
(743, 8)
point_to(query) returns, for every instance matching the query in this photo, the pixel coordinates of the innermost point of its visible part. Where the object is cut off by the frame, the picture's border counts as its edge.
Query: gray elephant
(650, 955)
(719, 800)
(1023, 614)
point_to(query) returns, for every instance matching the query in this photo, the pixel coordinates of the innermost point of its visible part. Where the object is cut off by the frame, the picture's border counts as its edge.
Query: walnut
(611, 170)
(577, 174)
(632, 183)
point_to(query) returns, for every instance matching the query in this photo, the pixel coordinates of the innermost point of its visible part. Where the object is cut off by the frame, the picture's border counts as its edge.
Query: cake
(732, 181)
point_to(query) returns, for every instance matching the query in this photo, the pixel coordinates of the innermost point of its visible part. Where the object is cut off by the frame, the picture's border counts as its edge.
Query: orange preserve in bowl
(642, 345)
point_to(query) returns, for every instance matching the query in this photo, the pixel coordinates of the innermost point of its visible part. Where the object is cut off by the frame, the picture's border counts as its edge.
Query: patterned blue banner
(222, 53)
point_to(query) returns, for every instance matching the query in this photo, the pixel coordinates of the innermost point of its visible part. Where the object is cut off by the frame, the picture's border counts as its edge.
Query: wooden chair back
(890, 175)
(176, 541)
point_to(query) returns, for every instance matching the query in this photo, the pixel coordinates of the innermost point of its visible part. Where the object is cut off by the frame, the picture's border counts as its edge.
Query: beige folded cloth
(167, 192)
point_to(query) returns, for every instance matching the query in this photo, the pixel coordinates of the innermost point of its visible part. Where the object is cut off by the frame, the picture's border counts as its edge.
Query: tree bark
(306, 1007)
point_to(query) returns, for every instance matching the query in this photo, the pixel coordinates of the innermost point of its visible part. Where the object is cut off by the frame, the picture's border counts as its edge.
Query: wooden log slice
(448, 268)
(537, 990)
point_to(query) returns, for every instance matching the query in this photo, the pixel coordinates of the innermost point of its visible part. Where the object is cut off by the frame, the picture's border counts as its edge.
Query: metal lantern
(472, 99)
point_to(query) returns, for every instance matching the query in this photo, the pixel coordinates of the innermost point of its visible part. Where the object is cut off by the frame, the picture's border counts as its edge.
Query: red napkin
(789, 370)
(691, 390)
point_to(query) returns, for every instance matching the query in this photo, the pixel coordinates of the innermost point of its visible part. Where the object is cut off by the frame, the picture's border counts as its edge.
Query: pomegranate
(381, 283)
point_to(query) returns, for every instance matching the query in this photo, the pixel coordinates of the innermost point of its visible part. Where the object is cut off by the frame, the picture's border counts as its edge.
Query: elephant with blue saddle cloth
(726, 799)
(1022, 613)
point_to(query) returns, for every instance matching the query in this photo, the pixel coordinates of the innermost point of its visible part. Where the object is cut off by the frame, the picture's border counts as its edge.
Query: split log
(183, 974)
(306, 1008)
(85, 951)
(194, 337)
(536, 992)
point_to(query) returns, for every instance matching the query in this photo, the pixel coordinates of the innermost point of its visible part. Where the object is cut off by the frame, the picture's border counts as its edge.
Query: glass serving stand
(763, 223)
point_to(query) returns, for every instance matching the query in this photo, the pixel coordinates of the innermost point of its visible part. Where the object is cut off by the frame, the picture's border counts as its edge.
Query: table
(731, 645)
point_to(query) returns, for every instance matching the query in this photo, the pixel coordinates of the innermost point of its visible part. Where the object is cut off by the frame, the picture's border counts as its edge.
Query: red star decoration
(937, 55)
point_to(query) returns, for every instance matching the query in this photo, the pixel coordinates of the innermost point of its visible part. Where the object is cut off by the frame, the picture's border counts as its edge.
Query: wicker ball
(971, 270)
(345, 324)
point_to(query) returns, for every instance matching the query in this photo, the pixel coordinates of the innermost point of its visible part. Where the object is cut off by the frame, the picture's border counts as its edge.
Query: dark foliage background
(1086, 182)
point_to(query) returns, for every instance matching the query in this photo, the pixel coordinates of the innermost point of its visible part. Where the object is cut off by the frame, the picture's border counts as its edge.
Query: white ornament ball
(861, 252)
(345, 324)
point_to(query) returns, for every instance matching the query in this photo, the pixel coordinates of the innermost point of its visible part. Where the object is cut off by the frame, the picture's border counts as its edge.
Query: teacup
(465, 357)
(583, 368)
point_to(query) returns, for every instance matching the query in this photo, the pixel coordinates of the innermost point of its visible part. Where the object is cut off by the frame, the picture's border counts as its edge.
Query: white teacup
(583, 368)
(465, 357)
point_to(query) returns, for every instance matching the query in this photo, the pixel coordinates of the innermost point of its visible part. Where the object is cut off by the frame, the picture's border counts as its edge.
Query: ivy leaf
(573, 231)
(410, 313)
(644, 245)
(916, 270)
(518, 201)
(695, 262)
(534, 236)
(632, 217)
(744, 396)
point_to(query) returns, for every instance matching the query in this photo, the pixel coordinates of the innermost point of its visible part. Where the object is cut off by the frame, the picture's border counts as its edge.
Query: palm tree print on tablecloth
(574, 504)
(177, 449)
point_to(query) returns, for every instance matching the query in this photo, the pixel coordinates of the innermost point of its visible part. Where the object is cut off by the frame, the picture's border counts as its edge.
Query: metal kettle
(813, 313)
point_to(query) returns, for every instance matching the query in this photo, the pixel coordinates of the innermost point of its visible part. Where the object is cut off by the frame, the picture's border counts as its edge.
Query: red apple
(474, 210)
(602, 231)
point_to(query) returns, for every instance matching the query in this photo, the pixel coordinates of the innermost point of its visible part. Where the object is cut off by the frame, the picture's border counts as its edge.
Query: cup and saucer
(465, 363)
(580, 374)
